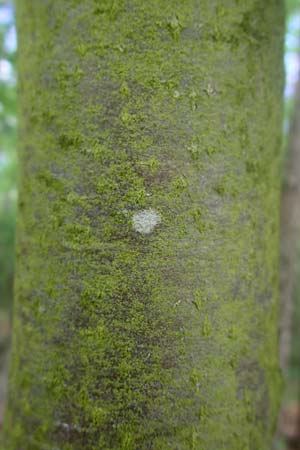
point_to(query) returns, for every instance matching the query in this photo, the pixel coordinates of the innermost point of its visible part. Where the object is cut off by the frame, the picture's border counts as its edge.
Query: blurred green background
(8, 122)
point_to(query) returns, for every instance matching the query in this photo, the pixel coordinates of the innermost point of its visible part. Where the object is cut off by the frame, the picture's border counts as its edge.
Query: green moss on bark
(161, 340)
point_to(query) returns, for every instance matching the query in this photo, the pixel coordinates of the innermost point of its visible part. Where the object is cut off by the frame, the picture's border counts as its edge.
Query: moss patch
(164, 340)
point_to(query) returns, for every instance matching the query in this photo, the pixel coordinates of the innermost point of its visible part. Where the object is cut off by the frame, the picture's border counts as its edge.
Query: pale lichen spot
(145, 221)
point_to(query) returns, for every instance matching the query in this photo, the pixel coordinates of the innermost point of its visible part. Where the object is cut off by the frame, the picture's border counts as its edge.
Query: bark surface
(147, 252)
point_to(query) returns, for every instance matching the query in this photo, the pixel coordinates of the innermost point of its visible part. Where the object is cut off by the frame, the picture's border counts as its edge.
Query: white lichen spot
(145, 221)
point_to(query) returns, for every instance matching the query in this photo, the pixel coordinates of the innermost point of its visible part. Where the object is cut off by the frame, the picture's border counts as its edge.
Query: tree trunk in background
(147, 250)
(290, 228)
(289, 420)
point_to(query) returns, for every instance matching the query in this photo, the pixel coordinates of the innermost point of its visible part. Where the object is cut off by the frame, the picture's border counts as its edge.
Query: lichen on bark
(163, 340)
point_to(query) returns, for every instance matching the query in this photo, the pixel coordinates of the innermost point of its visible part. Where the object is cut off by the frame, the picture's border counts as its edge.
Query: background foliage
(7, 150)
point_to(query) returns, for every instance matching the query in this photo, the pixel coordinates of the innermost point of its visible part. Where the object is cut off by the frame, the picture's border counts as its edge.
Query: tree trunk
(290, 229)
(147, 249)
(289, 417)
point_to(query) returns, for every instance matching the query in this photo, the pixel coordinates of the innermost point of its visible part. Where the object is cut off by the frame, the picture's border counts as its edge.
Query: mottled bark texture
(147, 250)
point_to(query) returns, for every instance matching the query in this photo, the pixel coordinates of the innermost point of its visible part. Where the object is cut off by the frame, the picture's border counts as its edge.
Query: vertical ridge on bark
(147, 253)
